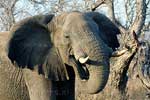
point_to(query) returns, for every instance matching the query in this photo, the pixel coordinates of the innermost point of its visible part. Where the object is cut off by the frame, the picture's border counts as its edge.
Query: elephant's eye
(66, 35)
(66, 39)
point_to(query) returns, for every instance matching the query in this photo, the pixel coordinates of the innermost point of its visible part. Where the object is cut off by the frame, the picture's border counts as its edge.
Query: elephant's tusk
(83, 60)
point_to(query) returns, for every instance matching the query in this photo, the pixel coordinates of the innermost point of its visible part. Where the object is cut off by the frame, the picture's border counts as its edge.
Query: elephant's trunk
(98, 76)
(97, 65)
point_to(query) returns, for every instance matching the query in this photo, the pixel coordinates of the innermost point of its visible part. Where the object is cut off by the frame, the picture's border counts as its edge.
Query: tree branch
(121, 65)
(147, 2)
(110, 4)
(140, 17)
(38, 2)
(120, 26)
(144, 64)
(97, 4)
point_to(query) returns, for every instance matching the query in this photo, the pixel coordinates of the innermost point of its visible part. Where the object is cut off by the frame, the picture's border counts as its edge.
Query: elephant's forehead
(76, 22)
(75, 17)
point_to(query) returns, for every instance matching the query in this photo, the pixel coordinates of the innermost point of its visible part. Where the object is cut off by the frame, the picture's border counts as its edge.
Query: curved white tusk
(83, 60)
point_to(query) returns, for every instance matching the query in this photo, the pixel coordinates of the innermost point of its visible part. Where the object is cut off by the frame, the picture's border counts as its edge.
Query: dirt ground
(135, 90)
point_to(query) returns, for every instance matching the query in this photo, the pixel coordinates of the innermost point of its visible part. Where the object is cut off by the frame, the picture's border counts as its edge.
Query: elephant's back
(12, 84)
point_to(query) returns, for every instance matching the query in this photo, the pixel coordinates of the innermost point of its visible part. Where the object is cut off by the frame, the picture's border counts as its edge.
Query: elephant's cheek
(63, 54)
(79, 52)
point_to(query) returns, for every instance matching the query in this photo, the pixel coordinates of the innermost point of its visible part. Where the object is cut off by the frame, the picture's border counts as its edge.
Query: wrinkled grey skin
(54, 50)
(15, 82)
(12, 84)
(81, 35)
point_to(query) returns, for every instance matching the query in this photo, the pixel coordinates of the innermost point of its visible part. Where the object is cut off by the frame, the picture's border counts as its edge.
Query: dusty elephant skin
(72, 45)
(77, 35)
(12, 84)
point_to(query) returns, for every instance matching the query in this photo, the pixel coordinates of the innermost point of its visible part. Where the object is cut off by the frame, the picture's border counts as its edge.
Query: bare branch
(97, 4)
(147, 2)
(110, 4)
(13, 5)
(38, 2)
(8, 10)
(119, 53)
(129, 9)
(120, 26)
(144, 64)
(140, 16)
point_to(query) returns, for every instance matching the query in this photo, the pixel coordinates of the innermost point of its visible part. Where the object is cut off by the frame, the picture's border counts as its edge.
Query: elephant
(13, 84)
(68, 46)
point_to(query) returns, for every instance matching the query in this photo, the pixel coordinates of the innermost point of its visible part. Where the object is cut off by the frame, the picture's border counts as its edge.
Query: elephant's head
(71, 39)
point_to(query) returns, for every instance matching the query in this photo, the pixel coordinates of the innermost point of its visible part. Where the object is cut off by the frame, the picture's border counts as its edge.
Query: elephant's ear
(108, 30)
(30, 47)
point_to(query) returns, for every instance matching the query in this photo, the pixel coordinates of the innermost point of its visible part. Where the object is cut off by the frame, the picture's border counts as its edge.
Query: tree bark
(120, 65)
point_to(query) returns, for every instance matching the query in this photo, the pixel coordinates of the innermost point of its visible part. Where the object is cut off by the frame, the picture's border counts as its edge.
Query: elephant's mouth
(80, 69)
